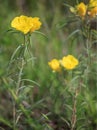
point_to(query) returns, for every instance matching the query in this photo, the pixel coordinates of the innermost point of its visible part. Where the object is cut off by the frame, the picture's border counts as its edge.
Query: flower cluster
(26, 24)
(84, 10)
(69, 62)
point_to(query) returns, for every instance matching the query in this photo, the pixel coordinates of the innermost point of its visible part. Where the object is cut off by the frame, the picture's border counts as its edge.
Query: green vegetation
(33, 97)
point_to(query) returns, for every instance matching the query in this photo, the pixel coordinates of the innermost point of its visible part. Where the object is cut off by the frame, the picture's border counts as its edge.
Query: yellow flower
(69, 62)
(26, 24)
(36, 24)
(92, 3)
(81, 9)
(55, 65)
(93, 12)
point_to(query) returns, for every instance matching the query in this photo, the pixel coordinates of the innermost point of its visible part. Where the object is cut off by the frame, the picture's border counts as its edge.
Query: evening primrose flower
(55, 65)
(93, 12)
(81, 9)
(92, 3)
(36, 24)
(26, 24)
(69, 62)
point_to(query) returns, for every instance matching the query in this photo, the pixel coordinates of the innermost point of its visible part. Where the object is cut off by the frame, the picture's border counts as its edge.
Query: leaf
(41, 34)
(12, 57)
(6, 122)
(69, 107)
(31, 81)
(65, 22)
(72, 34)
(44, 115)
(66, 121)
(67, 5)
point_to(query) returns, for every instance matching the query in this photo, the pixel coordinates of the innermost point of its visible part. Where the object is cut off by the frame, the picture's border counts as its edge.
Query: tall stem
(73, 119)
(14, 116)
(20, 74)
(18, 85)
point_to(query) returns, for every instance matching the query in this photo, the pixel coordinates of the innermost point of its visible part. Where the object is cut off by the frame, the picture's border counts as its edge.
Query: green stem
(18, 85)
(88, 47)
(22, 65)
(20, 74)
(14, 116)
(73, 119)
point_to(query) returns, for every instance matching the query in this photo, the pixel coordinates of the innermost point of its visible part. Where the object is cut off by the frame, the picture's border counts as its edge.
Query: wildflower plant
(79, 80)
(66, 67)
(85, 10)
(21, 57)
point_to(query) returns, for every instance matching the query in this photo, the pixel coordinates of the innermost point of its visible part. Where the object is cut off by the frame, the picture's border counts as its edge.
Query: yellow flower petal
(92, 3)
(81, 9)
(26, 24)
(36, 24)
(69, 62)
(93, 12)
(55, 65)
